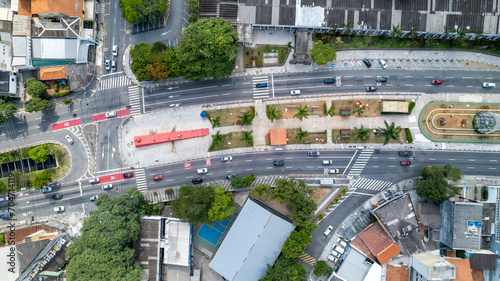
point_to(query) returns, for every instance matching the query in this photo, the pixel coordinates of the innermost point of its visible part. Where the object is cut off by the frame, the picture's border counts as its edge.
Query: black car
(128, 175)
(228, 177)
(381, 79)
(197, 180)
(404, 153)
(57, 196)
(329, 81)
(367, 62)
(279, 163)
(313, 153)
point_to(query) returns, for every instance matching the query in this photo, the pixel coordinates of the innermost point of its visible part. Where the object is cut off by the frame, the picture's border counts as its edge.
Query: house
(53, 73)
(278, 136)
(426, 266)
(462, 224)
(376, 244)
(357, 266)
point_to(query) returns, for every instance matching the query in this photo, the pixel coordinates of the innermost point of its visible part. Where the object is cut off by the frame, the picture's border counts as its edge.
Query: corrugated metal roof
(55, 48)
(253, 242)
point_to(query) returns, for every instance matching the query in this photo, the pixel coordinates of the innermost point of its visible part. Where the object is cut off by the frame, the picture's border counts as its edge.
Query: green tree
(237, 181)
(216, 122)
(245, 118)
(261, 190)
(434, 187)
(361, 133)
(247, 137)
(157, 69)
(35, 88)
(298, 240)
(249, 179)
(289, 46)
(193, 7)
(303, 112)
(208, 49)
(41, 179)
(138, 11)
(285, 269)
(359, 110)
(218, 141)
(2, 239)
(140, 55)
(389, 132)
(173, 64)
(6, 111)
(397, 30)
(37, 104)
(321, 268)
(193, 203)
(298, 197)
(322, 53)
(331, 111)
(38, 154)
(301, 134)
(273, 113)
(223, 206)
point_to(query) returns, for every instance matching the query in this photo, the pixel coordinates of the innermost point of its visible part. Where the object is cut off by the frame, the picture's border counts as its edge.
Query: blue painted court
(213, 234)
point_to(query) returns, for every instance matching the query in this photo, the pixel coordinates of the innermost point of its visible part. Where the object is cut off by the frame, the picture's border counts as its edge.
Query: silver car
(69, 139)
(107, 186)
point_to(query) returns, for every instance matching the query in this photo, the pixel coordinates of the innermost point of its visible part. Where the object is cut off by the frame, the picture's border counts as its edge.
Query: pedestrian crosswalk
(140, 180)
(360, 162)
(262, 92)
(134, 97)
(115, 81)
(371, 184)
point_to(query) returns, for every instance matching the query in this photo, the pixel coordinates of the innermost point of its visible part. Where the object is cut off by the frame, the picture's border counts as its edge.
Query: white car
(332, 258)
(202, 171)
(110, 114)
(333, 171)
(107, 186)
(115, 51)
(326, 162)
(295, 92)
(488, 85)
(339, 249)
(383, 64)
(93, 198)
(69, 139)
(341, 242)
(335, 253)
(227, 158)
(59, 209)
(328, 230)
(107, 65)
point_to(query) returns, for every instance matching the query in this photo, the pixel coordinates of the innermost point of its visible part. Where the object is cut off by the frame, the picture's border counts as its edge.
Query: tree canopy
(35, 88)
(37, 104)
(103, 251)
(41, 179)
(6, 110)
(321, 268)
(137, 11)
(285, 269)
(434, 185)
(208, 49)
(157, 62)
(38, 154)
(298, 240)
(322, 53)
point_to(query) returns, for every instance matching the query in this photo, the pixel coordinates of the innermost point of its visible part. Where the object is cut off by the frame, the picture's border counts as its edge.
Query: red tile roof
(53, 73)
(387, 254)
(278, 136)
(375, 238)
(399, 273)
(21, 233)
(463, 269)
(67, 7)
(24, 8)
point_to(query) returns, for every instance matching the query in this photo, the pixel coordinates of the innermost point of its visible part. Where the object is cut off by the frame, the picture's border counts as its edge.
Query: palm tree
(397, 30)
(348, 27)
(361, 133)
(247, 137)
(413, 33)
(216, 122)
(245, 119)
(359, 110)
(273, 113)
(217, 141)
(389, 132)
(289, 46)
(446, 32)
(301, 134)
(303, 112)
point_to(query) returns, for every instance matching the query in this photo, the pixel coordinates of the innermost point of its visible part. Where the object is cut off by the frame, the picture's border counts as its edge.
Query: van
(488, 85)
(326, 162)
(115, 50)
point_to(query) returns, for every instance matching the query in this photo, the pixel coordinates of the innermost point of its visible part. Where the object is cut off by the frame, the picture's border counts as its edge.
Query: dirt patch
(228, 116)
(372, 138)
(454, 121)
(291, 136)
(290, 109)
(280, 207)
(319, 194)
(473, 64)
(232, 140)
(240, 196)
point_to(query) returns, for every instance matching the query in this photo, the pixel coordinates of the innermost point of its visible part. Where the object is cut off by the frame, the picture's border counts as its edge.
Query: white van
(488, 85)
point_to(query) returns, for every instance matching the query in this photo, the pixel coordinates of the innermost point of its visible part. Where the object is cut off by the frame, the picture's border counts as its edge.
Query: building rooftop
(463, 269)
(55, 48)
(397, 215)
(397, 272)
(484, 260)
(378, 242)
(278, 136)
(21, 233)
(356, 266)
(67, 7)
(432, 267)
(430, 213)
(462, 224)
(53, 73)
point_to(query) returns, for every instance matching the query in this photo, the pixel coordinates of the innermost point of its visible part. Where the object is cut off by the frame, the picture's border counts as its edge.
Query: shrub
(169, 191)
(408, 136)
(252, 113)
(61, 94)
(321, 217)
(410, 107)
(325, 108)
(67, 101)
(485, 193)
(56, 87)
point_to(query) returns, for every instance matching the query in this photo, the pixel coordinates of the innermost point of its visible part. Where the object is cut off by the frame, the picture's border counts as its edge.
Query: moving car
(338, 249)
(5, 216)
(327, 162)
(367, 62)
(3, 199)
(110, 114)
(437, 82)
(157, 177)
(332, 258)
(57, 196)
(488, 85)
(333, 171)
(197, 180)
(404, 153)
(46, 189)
(313, 153)
(371, 89)
(107, 65)
(279, 162)
(115, 50)
(381, 79)
(261, 85)
(202, 171)
(405, 163)
(328, 230)
(69, 139)
(227, 158)
(341, 242)
(128, 175)
(228, 177)
(113, 65)
(59, 209)
(93, 198)
(329, 81)
(382, 63)
(94, 180)
(107, 186)
(295, 92)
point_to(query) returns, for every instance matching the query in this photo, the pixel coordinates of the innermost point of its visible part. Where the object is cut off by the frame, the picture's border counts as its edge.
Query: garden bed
(228, 116)
(290, 109)
(372, 138)
(230, 141)
(310, 138)
(254, 57)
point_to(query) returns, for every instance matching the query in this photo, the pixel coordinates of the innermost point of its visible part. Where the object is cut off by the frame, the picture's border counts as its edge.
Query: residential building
(426, 266)
(462, 224)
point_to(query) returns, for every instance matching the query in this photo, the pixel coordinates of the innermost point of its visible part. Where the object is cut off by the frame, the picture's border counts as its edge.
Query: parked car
(332, 258)
(107, 64)
(405, 163)
(202, 171)
(115, 50)
(228, 177)
(59, 209)
(93, 198)
(110, 114)
(157, 177)
(69, 139)
(437, 82)
(5, 216)
(382, 63)
(488, 85)
(260, 85)
(313, 153)
(335, 254)
(279, 162)
(404, 153)
(57, 196)
(371, 89)
(328, 230)
(326, 162)
(333, 171)
(295, 92)
(381, 79)
(338, 249)
(227, 158)
(329, 81)
(342, 242)
(128, 175)
(107, 186)
(94, 180)
(367, 62)
(46, 189)
(197, 180)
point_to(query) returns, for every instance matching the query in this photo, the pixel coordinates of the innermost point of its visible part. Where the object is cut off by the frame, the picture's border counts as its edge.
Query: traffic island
(461, 122)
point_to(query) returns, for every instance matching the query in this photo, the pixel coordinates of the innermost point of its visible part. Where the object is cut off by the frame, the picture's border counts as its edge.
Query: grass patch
(251, 55)
(228, 116)
(229, 141)
(310, 138)
(372, 138)
(408, 136)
